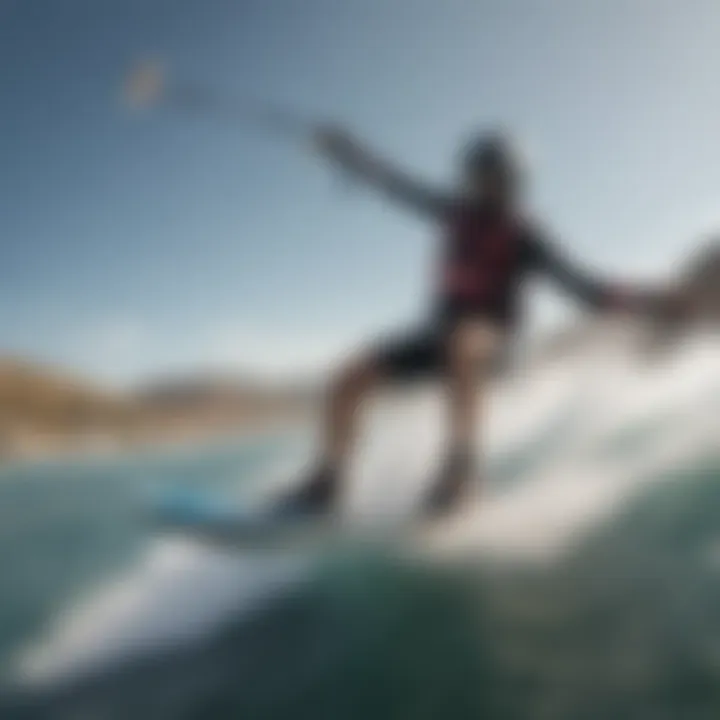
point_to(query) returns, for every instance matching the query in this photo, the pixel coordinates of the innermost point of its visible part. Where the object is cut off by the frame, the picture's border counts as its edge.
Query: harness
(482, 257)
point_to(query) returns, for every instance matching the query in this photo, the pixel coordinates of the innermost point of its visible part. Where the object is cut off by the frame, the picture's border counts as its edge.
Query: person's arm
(364, 165)
(600, 294)
(548, 260)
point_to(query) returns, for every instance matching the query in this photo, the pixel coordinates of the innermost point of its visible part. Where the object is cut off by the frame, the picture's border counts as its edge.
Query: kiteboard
(220, 521)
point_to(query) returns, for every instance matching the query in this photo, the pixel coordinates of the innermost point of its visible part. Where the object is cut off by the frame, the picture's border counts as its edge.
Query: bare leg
(346, 395)
(471, 349)
(319, 490)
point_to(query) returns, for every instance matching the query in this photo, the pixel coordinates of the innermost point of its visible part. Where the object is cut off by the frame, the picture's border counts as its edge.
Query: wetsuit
(487, 257)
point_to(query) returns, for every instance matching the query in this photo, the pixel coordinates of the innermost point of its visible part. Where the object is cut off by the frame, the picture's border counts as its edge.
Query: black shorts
(419, 354)
(413, 355)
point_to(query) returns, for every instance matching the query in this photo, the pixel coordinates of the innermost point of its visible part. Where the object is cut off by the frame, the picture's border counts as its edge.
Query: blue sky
(133, 245)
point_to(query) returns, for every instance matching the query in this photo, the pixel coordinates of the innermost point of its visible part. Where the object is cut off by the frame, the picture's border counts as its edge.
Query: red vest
(481, 257)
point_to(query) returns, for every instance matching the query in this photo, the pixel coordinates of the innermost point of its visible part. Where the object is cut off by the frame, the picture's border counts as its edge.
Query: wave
(575, 446)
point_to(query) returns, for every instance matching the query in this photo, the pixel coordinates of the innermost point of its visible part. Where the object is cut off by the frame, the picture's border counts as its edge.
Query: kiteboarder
(490, 248)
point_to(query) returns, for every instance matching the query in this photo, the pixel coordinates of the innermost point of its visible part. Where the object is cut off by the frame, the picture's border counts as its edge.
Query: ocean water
(587, 587)
(67, 527)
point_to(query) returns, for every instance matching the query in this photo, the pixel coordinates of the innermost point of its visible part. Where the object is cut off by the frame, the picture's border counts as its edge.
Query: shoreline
(114, 447)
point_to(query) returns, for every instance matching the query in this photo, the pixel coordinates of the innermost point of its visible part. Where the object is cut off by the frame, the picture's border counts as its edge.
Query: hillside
(44, 411)
(209, 402)
(702, 273)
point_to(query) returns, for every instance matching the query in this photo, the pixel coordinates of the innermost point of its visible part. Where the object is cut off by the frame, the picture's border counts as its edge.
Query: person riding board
(490, 247)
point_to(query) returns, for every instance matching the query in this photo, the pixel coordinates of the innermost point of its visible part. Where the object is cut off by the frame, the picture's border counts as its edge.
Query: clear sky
(131, 245)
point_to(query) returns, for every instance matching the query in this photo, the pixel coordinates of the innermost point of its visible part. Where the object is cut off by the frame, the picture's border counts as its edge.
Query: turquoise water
(66, 527)
(628, 626)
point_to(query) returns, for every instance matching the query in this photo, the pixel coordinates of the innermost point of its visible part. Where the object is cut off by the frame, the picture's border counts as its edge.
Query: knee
(472, 347)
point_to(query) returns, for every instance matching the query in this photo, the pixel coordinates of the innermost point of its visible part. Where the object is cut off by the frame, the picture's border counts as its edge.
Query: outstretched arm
(577, 282)
(361, 163)
(598, 294)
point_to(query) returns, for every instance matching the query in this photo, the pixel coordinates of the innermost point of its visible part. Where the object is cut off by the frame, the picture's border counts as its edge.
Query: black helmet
(492, 152)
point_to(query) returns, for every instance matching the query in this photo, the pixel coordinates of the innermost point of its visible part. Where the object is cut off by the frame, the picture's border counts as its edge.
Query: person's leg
(402, 358)
(346, 393)
(471, 348)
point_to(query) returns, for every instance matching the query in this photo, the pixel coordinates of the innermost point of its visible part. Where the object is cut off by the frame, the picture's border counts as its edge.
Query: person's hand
(668, 305)
(674, 305)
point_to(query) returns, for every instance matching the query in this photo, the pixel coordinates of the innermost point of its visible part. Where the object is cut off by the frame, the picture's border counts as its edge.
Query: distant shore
(34, 448)
(46, 414)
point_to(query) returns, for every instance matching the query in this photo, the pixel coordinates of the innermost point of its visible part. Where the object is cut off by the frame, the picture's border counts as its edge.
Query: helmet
(492, 152)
